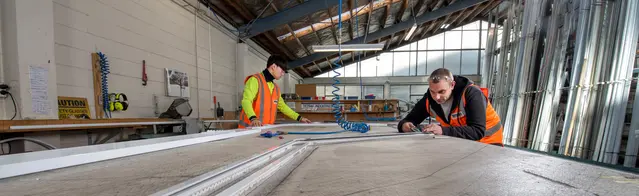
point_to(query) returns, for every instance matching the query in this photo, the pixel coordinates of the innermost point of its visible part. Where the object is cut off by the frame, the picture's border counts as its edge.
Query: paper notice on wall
(39, 77)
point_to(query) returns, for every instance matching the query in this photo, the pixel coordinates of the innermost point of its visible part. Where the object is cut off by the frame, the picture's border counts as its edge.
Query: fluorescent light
(410, 32)
(347, 47)
(445, 26)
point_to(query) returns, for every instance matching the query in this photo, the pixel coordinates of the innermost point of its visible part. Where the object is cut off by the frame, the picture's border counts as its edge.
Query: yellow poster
(73, 108)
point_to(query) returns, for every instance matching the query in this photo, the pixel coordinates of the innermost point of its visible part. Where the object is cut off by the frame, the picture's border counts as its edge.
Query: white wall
(158, 31)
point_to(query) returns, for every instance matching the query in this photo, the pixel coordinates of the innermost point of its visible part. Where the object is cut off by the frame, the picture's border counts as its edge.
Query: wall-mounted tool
(118, 102)
(144, 77)
(219, 111)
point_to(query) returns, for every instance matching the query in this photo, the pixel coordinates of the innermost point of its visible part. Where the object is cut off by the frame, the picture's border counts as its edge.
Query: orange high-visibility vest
(265, 103)
(494, 130)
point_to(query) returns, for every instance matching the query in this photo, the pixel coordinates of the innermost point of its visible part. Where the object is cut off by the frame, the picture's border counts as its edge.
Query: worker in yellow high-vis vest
(261, 98)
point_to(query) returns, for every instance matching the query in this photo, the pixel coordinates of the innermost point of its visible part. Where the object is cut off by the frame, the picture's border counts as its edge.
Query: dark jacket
(475, 111)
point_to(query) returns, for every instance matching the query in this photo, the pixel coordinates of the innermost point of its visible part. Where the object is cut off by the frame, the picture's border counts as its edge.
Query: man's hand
(407, 127)
(256, 123)
(305, 120)
(433, 128)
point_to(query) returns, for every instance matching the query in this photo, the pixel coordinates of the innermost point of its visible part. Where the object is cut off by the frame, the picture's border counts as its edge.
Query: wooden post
(97, 88)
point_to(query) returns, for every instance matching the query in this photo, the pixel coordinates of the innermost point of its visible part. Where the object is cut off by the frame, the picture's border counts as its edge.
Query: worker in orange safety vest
(261, 97)
(461, 108)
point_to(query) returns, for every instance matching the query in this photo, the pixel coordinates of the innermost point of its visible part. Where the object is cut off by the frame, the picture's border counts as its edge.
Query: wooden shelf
(343, 101)
(5, 125)
(370, 113)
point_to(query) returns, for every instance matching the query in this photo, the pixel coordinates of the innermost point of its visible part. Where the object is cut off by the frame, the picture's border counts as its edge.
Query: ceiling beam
(323, 25)
(414, 11)
(350, 20)
(403, 34)
(398, 19)
(382, 22)
(368, 22)
(247, 15)
(392, 48)
(288, 27)
(430, 16)
(474, 12)
(286, 16)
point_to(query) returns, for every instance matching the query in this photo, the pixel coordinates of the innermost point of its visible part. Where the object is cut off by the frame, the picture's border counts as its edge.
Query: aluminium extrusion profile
(286, 163)
(28, 167)
(214, 180)
(275, 165)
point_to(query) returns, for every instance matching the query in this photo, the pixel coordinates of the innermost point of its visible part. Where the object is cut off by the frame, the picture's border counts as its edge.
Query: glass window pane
(400, 92)
(470, 39)
(482, 56)
(378, 91)
(472, 26)
(330, 89)
(320, 91)
(453, 40)
(484, 38)
(435, 60)
(353, 91)
(418, 89)
(452, 61)
(415, 99)
(421, 63)
(469, 62)
(436, 42)
(401, 66)
(484, 25)
(413, 63)
(324, 75)
(369, 67)
(350, 70)
(422, 44)
(385, 65)
(403, 48)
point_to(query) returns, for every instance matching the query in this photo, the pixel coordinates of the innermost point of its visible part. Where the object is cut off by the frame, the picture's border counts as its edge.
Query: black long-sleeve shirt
(475, 111)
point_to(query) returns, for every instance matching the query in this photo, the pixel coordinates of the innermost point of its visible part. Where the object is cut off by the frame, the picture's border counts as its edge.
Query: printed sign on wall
(73, 108)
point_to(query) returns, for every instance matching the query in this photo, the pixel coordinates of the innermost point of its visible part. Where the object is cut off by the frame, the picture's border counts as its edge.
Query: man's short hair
(441, 74)
(279, 61)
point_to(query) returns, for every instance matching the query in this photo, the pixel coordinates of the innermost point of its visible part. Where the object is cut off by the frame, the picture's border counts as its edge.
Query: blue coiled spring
(104, 71)
(346, 125)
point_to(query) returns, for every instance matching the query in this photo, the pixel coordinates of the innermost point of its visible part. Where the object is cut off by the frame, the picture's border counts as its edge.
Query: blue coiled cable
(346, 125)
(104, 71)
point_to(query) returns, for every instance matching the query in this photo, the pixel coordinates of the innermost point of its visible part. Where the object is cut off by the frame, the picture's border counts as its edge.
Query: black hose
(36, 141)
(15, 108)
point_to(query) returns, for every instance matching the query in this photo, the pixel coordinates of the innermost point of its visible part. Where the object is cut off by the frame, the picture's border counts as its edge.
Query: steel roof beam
(286, 16)
(426, 17)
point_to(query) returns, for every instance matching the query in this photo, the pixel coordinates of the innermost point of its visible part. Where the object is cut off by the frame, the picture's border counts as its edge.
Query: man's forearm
(247, 106)
(282, 107)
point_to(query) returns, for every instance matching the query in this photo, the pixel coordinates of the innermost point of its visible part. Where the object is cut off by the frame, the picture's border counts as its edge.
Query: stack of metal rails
(560, 73)
(239, 162)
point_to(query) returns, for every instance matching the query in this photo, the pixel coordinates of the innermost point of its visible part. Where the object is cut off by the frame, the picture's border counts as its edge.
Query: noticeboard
(73, 108)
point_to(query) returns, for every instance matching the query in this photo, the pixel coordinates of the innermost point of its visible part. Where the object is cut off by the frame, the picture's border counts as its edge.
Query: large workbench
(413, 164)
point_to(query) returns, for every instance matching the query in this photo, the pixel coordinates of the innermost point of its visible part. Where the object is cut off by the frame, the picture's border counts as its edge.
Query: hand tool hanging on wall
(104, 72)
(144, 77)
(118, 102)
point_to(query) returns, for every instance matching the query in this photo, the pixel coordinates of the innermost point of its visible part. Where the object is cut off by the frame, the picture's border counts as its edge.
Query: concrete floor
(447, 166)
(148, 173)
